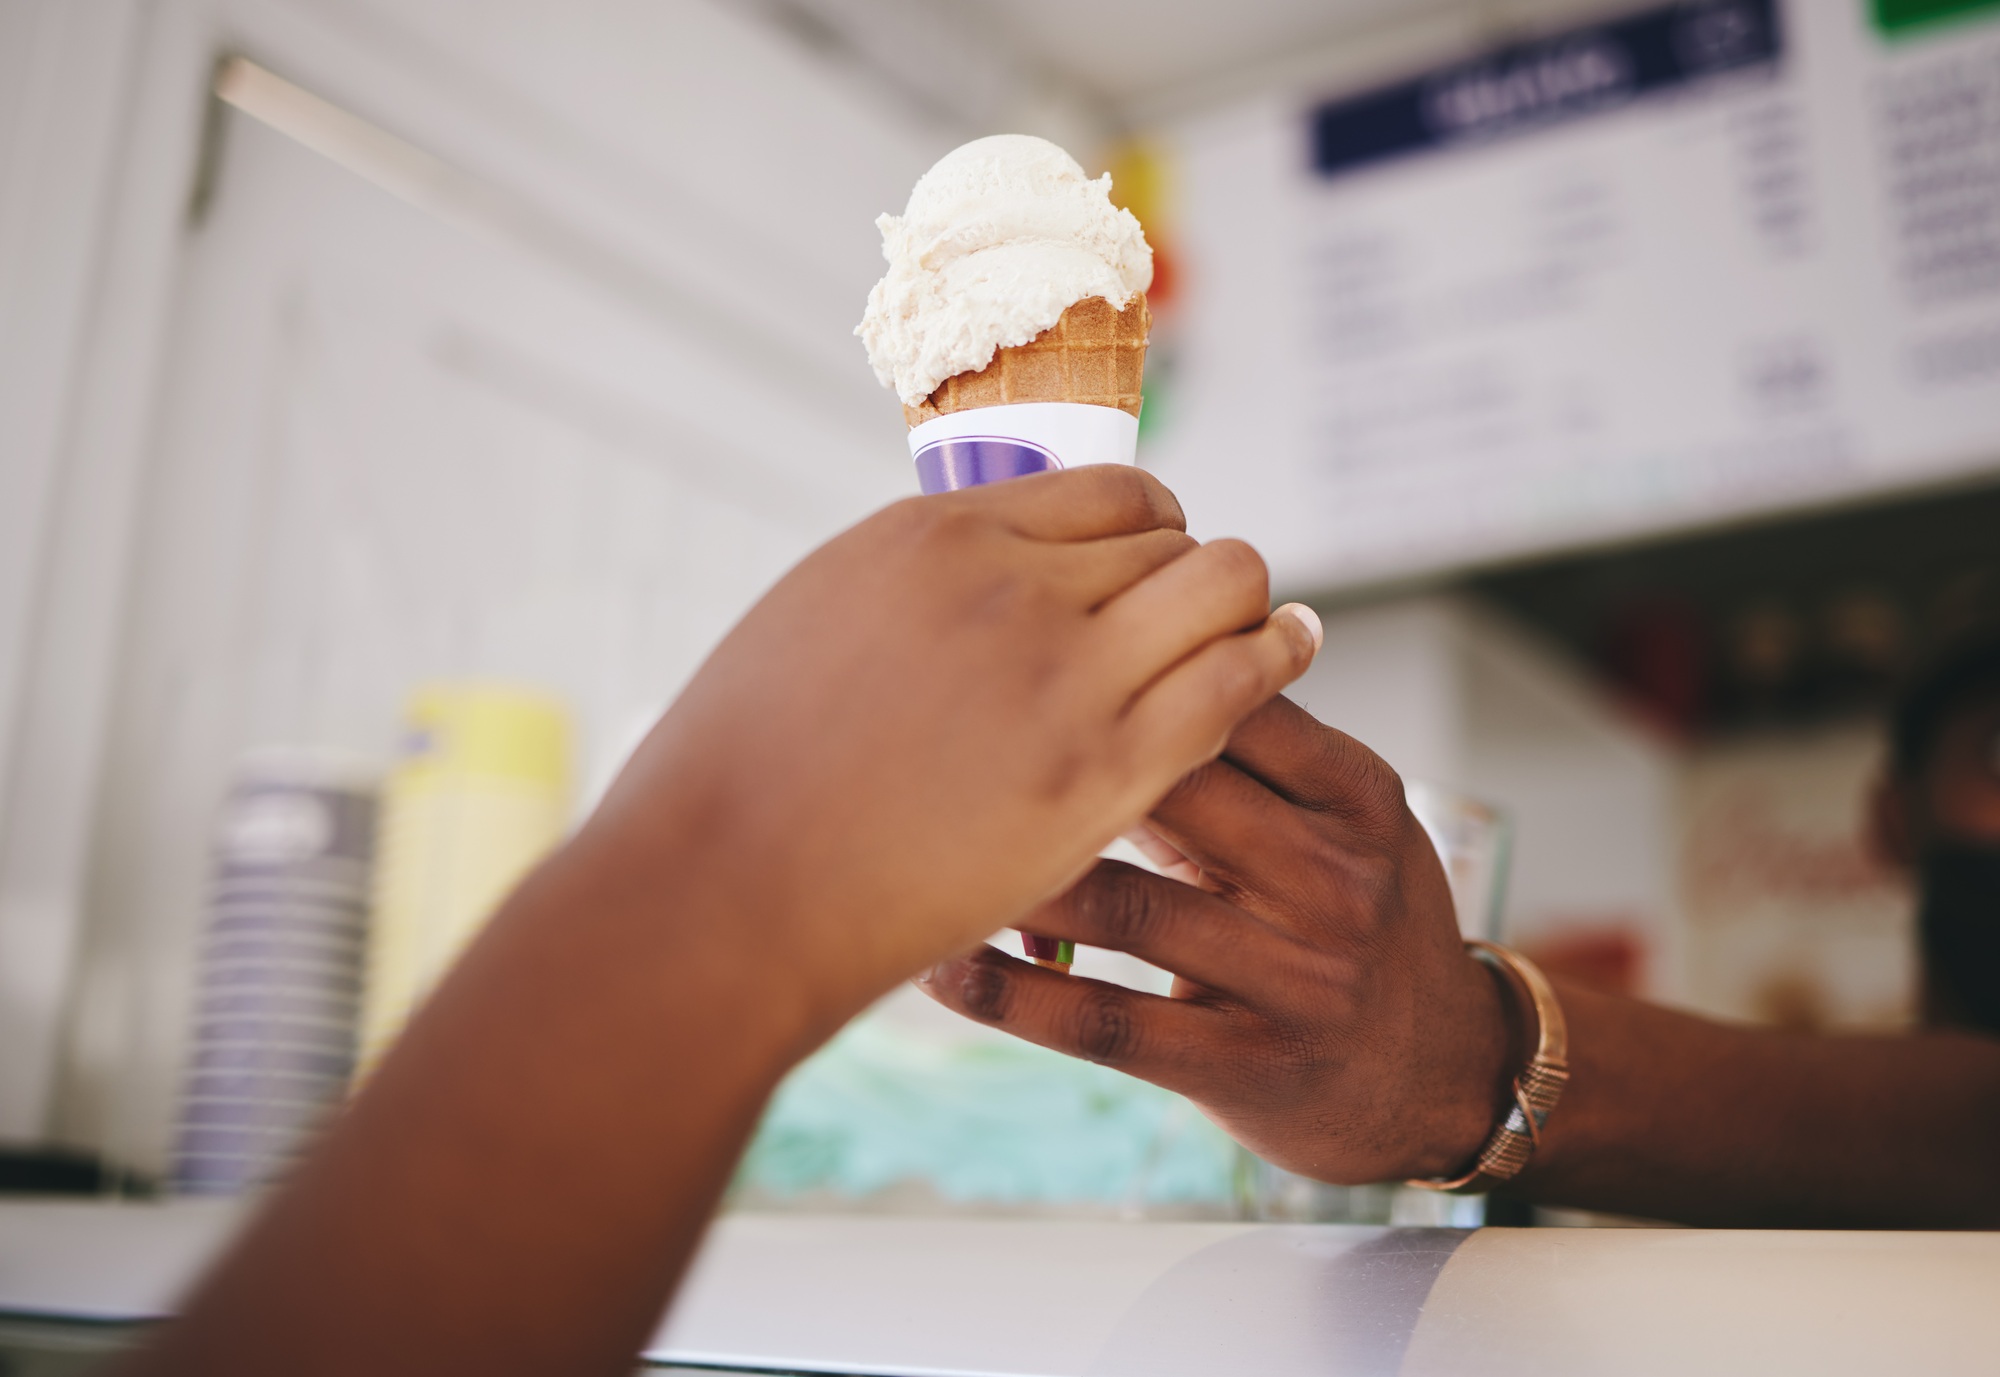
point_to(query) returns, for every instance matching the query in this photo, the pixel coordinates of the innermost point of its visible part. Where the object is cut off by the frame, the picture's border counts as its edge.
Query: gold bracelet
(1536, 1089)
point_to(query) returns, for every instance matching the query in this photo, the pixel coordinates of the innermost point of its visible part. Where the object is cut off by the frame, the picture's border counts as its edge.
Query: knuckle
(1294, 1050)
(984, 991)
(1150, 502)
(906, 526)
(944, 526)
(1105, 1032)
(1004, 595)
(1360, 880)
(1162, 548)
(1120, 493)
(1380, 788)
(1374, 873)
(905, 512)
(1363, 791)
(1116, 905)
(1240, 564)
(1376, 911)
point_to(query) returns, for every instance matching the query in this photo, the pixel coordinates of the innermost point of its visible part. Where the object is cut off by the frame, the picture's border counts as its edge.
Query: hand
(936, 720)
(1324, 1011)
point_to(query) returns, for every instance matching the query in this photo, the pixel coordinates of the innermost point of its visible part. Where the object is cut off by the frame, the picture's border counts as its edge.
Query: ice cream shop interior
(400, 402)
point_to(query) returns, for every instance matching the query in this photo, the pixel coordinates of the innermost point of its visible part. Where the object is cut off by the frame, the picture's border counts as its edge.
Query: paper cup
(990, 443)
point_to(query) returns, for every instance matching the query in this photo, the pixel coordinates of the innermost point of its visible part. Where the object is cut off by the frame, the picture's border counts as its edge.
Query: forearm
(525, 1178)
(1334, 1023)
(1668, 1116)
(530, 1170)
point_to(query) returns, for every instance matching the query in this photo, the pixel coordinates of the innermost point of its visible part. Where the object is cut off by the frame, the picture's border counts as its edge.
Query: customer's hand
(935, 721)
(1324, 1012)
(927, 726)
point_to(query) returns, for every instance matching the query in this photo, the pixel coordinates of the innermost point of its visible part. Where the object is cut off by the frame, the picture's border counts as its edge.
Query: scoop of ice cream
(1000, 238)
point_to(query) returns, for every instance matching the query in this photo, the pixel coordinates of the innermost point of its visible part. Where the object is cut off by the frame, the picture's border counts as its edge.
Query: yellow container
(480, 795)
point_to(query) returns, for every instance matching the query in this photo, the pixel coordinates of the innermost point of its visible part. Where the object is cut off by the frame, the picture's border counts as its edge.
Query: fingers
(1163, 853)
(1166, 1041)
(1238, 834)
(1184, 717)
(1096, 570)
(1087, 503)
(1178, 928)
(1213, 591)
(1313, 765)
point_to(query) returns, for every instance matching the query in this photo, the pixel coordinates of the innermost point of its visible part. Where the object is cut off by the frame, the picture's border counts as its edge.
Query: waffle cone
(1095, 354)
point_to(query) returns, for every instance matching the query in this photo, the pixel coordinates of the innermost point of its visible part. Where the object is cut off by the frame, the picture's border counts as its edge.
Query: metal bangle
(1536, 1089)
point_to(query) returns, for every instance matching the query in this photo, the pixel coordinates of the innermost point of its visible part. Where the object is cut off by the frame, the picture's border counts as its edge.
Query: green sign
(1900, 16)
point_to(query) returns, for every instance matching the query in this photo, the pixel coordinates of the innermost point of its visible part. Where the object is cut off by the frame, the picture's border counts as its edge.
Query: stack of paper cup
(481, 794)
(280, 971)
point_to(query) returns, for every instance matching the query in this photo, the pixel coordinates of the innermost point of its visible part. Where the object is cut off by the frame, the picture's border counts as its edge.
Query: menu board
(1698, 262)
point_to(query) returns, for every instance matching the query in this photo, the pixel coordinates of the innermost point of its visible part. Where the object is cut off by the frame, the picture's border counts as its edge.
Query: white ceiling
(1125, 51)
(1074, 68)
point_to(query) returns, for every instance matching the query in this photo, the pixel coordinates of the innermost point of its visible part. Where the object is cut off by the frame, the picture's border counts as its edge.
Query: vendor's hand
(936, 720)
(1324, 1011)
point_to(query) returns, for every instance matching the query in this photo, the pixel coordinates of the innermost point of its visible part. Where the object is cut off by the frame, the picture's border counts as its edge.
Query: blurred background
(398, 400)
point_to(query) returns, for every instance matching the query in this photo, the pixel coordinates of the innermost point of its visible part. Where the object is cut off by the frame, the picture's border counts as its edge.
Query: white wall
(1592, 793)
(63, 70)
(94, 175)
(1388, 676)
(617, 320)
(1454, 694)
(561, 419)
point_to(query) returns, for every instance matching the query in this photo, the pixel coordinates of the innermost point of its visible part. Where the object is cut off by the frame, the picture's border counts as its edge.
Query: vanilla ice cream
(1000, 238)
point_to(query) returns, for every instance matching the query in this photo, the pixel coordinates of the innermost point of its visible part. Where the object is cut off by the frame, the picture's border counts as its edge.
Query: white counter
(905, 1297)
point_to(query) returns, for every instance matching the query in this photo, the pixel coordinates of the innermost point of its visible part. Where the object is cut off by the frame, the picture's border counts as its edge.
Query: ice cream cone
(996, 235)
(1095, 353)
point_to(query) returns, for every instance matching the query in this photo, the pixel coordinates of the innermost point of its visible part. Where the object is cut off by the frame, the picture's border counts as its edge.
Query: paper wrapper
(1067, 397)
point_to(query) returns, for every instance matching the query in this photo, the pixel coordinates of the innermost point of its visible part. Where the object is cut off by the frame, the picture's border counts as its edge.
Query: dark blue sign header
(1531, 85)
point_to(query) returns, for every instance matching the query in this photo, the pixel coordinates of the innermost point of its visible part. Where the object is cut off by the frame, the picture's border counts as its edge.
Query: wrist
(1536, 1088)
(1488, 1047)
(681, 892)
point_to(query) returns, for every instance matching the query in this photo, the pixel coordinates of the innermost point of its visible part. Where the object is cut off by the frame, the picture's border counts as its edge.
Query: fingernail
(1310, 620)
